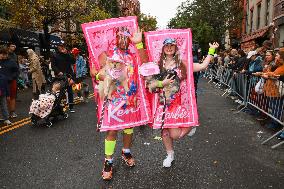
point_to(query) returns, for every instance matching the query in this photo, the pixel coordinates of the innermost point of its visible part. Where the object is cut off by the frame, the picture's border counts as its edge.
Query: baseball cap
(75, 51)
(169, 41)
(251, 53)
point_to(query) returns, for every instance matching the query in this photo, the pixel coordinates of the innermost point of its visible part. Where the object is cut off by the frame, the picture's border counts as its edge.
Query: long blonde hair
(177, 60)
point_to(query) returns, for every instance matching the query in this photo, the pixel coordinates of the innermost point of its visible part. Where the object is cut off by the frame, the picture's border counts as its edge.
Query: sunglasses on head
(169, 41)
(125, 33)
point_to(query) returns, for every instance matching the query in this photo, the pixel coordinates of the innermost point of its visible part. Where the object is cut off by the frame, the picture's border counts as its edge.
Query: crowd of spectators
(265, 65)
(27, 69)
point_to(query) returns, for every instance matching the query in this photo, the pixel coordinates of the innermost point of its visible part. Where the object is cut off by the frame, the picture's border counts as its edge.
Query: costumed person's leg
(110, 143)
(127, 142)
(168, 135)
(168, 143)
(178, 133)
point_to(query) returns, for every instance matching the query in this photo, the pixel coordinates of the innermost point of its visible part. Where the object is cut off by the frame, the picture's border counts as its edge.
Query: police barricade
(222, 76)
(267, 96)
(239, 85)
(235, 83)
(256, 92)
(227, 76)
(211, 72)
(207, 73)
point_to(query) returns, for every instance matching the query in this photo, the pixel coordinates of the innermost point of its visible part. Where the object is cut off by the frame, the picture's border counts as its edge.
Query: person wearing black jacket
(4, 87)
(13, 77)
(62, 65)
(4, 94)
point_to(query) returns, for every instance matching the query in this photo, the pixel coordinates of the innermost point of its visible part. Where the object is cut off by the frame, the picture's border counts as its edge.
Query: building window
(251, 20)
(247, 18)
(267, 12)
(258, 16)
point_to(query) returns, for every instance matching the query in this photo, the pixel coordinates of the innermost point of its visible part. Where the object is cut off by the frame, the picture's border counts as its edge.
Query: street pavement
(225, 152)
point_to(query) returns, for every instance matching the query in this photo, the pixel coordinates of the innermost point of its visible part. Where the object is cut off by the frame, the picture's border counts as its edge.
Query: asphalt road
(224, 153)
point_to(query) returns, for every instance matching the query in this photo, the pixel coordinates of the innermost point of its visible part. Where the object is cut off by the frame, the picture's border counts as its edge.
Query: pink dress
(179, 109)
(126, 109)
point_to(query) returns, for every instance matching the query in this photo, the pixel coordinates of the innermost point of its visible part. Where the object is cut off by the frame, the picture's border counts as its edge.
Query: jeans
(70, 97)
(4, 108)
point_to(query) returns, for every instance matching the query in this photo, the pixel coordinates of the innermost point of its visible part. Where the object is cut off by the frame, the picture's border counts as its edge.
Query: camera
(165, 73)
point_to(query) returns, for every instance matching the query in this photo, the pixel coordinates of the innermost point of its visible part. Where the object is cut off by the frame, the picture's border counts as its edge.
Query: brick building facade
(278, 19)
(257, 25)
(263, 20)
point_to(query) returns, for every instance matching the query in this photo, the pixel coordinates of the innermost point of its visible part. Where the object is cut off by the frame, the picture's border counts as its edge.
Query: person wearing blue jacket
(255, 63)
(80, 69)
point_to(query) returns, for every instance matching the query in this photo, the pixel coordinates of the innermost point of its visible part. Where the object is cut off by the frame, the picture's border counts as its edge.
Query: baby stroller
(58, 107)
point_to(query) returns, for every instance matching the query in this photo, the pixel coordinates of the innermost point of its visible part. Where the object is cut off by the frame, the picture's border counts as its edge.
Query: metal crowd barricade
(244, 86)
(271, 106)
(224, 76)
(212, 72)
(219, 73)
(239, 85)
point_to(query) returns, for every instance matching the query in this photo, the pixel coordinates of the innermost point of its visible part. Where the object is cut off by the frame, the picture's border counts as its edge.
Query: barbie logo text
(178, 113)
(115, 112)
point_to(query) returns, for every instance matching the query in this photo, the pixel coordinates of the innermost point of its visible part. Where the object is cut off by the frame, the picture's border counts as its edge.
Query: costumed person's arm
(160, 84)
(206, 61)
(137, 40)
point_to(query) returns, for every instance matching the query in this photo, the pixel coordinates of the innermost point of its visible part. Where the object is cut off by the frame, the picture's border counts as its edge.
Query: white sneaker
(192, 132)
(7, 122)
(168, 161)
(13, 115)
